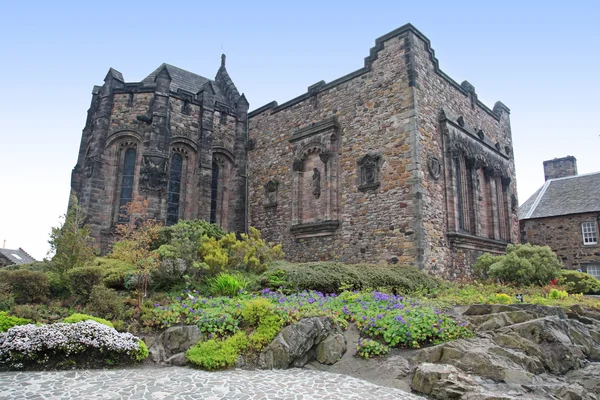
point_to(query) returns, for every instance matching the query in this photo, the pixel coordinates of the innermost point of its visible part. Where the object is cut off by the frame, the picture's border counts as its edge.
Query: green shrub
(216, 354)
(170, 273)
(83, 279)
(268, 328)
(114, 271)
(105, 302)
(8, 321)
(28, 311)
(558, 294)
(142, 352)
(72, 319)
(331, 277)
(579, 282)
(251, 253)
(255, 310)
(27, 286)
(368, 348)
(7, 300)
(503, 298)
(226, 284)
(523, 264)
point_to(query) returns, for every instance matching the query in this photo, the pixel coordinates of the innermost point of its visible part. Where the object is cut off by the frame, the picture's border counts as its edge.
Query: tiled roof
(17, 256)
(182, 79)
(562, 196)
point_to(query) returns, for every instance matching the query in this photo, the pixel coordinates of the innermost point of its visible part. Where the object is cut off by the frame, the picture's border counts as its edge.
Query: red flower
(554, 282)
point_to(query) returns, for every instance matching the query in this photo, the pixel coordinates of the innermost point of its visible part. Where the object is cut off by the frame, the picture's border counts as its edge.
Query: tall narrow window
(459, 196)
(214, 192)
(174, 189)
(127, 183)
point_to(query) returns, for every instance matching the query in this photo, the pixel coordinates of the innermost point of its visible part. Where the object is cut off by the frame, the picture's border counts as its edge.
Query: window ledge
(464, 240)
(322, 228)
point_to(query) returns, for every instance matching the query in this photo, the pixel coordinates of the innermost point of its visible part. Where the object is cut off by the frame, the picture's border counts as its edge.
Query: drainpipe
(247, 159)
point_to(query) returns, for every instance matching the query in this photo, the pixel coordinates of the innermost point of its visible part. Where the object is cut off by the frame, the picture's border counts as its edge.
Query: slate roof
(562, 196)
(186, 80)
(17, 256)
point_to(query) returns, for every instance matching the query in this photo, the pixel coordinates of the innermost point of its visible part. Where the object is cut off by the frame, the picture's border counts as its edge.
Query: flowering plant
(62, 344)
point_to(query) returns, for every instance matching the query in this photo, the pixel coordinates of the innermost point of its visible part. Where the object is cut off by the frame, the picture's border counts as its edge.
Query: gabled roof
(185, 80)
(17, 256)
(561, 196)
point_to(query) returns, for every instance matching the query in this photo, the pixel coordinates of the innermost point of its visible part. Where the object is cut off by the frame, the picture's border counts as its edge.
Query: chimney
(560, 167)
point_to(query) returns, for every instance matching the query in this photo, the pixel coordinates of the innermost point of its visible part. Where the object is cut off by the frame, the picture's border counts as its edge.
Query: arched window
(127, 183)
(174, 189)
(214, 192)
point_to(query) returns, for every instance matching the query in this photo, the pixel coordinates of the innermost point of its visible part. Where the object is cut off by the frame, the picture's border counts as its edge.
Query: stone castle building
(564, 213)
(394, 162)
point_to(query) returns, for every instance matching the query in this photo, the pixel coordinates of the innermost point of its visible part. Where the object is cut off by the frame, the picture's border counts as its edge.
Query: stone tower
(395, 162)
(176, 138)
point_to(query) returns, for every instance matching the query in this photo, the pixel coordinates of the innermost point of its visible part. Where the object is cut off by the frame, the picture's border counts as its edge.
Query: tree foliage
(523, 264)
(71, 241)
(138, 234)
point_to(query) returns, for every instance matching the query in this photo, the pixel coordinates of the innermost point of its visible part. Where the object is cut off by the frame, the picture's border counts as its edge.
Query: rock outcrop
(310, 338)
(521, 351)
(170, 346)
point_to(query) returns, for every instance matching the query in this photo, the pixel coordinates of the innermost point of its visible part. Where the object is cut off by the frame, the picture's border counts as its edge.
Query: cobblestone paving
(185, 383)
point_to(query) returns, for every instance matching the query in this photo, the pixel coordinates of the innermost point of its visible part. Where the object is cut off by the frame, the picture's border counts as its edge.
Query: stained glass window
(127, 183)
(214, 191)
(174, 189)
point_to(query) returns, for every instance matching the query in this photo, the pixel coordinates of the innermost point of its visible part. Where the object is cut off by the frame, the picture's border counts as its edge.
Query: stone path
(185, 383)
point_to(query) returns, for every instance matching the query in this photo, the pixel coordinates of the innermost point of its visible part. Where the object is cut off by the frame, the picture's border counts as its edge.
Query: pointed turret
(226, 84)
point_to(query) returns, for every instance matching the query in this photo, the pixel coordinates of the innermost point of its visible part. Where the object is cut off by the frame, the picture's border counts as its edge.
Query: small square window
(594, 270)
(589, 232)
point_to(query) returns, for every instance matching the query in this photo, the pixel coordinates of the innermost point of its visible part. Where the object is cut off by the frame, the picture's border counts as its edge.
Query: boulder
(484, 358)
(174, 341)
(331, 349)
(442, 381)
(297, 344)
(588, 377)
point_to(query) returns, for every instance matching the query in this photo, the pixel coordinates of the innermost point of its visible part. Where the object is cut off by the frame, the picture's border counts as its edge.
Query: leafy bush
(368, 348)
(83, 279)
(59, 345)
(251, 253)
(27, 286)
(170, 272)
(523, 264)
(8, 321)
(7, 300)
(330, 277)
(265, 332)
(114, 271)
(226, 284)
(105, 302)
(255, 310)
(216, 354)
(558, 294)
(503, 298)
(579, 282)
(74, 318)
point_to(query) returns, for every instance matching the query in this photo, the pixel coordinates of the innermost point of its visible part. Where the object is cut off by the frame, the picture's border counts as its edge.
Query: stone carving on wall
(476, 154)
(271, 194)
(368, 172)
(435, 167)
(316, 183)
(315, 197)
(298, 165)
(153, 174)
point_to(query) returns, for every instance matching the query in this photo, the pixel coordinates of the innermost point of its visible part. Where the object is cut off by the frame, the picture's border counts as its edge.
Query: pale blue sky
(540, 58)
